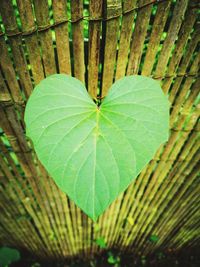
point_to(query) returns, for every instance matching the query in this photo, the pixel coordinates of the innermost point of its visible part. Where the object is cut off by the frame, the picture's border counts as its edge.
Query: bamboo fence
(99, 42)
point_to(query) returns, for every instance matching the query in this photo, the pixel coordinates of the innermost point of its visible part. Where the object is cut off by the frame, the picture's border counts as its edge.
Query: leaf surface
(94, 153)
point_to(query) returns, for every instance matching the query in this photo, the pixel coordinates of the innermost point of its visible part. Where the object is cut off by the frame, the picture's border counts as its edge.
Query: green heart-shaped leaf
(93, 153)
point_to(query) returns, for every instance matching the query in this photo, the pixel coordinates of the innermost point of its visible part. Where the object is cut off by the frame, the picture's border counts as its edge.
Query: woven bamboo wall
(99, 42)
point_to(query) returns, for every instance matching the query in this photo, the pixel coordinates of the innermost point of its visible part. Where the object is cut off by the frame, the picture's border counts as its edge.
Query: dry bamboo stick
(179, 101)
(13, 141)
(4, 91)
(78, 39)
(47, 202)
(74, 223)
(189, 237)
(48, 197)
(165, 194)
(56, 218)
(183, 66)
(95, 9)
(31, 40)
(190, 51)
(176, 203)
(17, 128)
(138, 38)
(156, 34)
(42, 20)
(23, 230)
(62, 38)
(9, 72)
(191, 198)
(113, 218)
(26, 203)
(169, 228)
(84, 233)
(175, 233)
(184, 33)
(111, 26)
(33, 187)
(125, 37)
(11, 27)
(172, 32)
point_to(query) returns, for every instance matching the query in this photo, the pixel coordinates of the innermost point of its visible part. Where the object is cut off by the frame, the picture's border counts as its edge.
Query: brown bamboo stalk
(95, 9)
(173, 30)
(31, 40)
(192, 196)
(112, 11)
(11, 27)
(138, 38)
(184, 90)
(34, 187)
(8, 71)
(183, 66)
(26, 202)
(168, 189)
(42, 20)
(50, 196)
(125, 37)
(78, 39)
(4, 92)
(184, 33)
(156, 34)
(62, 38)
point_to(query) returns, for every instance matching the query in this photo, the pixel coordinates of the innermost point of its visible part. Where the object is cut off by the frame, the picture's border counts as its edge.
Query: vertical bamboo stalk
(78, 39)
(62, 38)
(138, 37)
(173, 30)
(8, 71)
(125, 37)
(31, 40)
(112, 12)
(15, 40)
(183, 36)
(42, 19)
(95, 9)
(156, 34)
(4, 92)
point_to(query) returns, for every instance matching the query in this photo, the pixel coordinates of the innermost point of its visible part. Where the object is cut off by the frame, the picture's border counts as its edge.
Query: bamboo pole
(183, 35)
(15, 41)
(125, 37)
(95, 9)
(8, 71)
(45, 36)
(138, 37)
(78, 39)
(112, 10)
(62, 38)
(31, 40)
(172, 32)
(156, 34)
